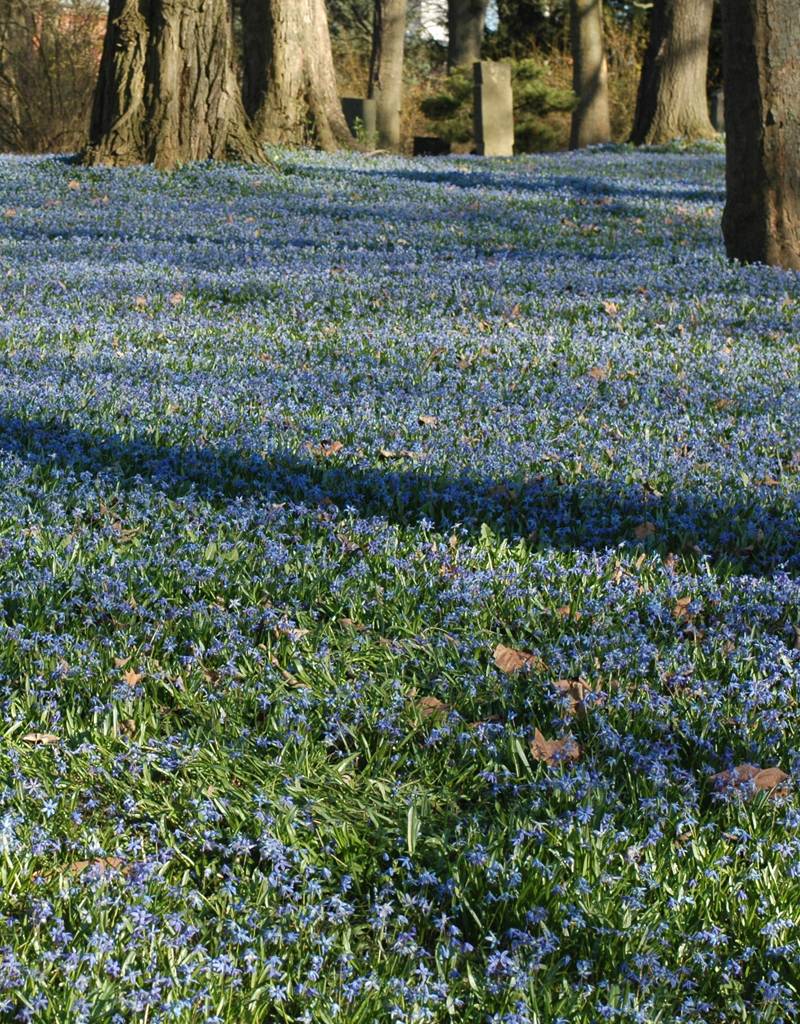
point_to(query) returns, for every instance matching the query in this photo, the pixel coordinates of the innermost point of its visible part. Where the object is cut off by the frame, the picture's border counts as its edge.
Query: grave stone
(494, 109)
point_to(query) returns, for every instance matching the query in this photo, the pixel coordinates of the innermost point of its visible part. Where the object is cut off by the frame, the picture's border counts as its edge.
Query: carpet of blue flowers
(285, 457)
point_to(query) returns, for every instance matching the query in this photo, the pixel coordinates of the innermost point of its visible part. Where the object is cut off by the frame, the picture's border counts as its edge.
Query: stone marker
(494, 109)
(360, 110)
(429, 145)
(718, 110)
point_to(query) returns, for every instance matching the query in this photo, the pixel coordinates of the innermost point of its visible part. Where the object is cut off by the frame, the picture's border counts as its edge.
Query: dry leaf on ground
(401, 453)
(509, 660)
(99, 864)
(325, 448)
(554, 752)
(765, 780)
(40, 739)
(577, 691)
(599, 373)
(432, 707)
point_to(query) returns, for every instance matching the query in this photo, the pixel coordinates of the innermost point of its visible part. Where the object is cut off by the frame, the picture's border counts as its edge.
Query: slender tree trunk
(761, 65)
(289, 80)
(590, 120)
(386, 69)
(13, 41)
(465, 24)
(672, 101)
(167, 92)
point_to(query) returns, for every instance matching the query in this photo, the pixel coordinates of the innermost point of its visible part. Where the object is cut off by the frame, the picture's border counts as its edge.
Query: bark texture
(761, 64)
(289, 83)
(167, 91)
(12, 33)
(465, 24)
(386, 69)
(590, 119)
(672, 101)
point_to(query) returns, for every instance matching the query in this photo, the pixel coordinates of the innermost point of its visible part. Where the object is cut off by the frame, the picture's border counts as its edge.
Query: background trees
(466, 20)
(49, 53)
(173, 86)
(290, 76)
(590, 118)
(167, 91)
(289, 82)
(761, 222)
(672, 101)
(386, 68)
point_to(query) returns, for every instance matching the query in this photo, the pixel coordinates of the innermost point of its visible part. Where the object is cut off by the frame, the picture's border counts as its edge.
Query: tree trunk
(761, 64)
(465, 23)
(289, 79)
(672, 101)
(590, 120)
(14, 40)
(167, 92)
(386, 69)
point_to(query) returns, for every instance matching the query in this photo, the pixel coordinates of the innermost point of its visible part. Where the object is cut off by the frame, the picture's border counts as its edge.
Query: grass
(285, 458)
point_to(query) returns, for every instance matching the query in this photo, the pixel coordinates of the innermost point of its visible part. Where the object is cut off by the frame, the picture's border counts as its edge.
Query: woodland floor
(285, 457)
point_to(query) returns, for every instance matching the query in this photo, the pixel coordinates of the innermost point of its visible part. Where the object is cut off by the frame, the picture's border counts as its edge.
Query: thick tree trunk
(289, 79)
(672, 101)
(590, 120)
(386, 69)
(761, 222)
(465, 24)
(167, 92)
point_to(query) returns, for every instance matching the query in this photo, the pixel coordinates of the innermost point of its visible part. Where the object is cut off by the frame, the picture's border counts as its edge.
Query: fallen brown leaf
(292, 632)
(287, 676)
(509, 660)
(100, 864)
(352, 624)
(644, 530)
(432, 707)
(325, 448)
(577, 691)
(554, 752)
(40, 739)
(131, 677)
(400, 453)
(765, 780)
(428, 421)
(599, 373)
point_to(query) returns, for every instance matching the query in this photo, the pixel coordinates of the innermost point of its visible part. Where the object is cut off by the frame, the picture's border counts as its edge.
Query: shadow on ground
(581, 187)
(749, 532)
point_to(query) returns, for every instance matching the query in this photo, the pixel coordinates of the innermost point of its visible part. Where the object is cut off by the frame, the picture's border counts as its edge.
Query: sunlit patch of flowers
(285, 457)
